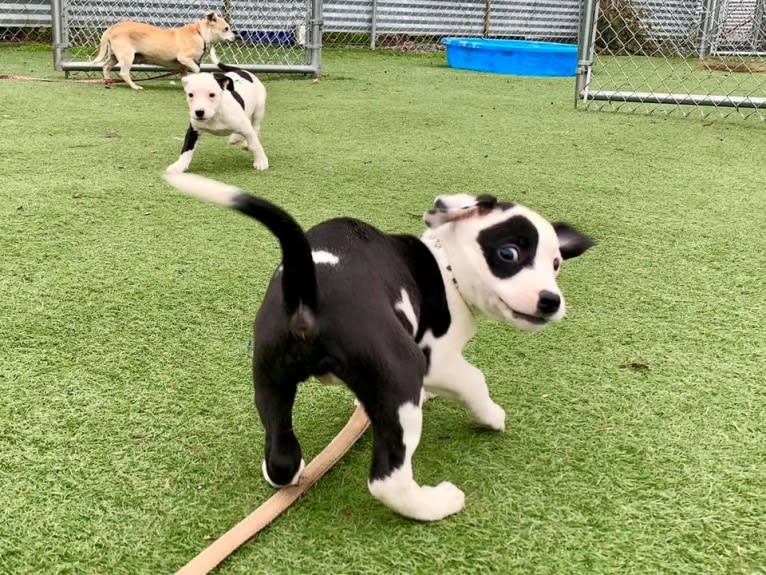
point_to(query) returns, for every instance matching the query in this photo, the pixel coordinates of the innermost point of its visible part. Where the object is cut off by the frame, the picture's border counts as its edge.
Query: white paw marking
(294, 481)
(493, 416)
(261, 163)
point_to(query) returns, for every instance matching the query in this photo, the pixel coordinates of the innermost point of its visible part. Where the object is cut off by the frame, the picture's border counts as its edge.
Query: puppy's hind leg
(274, 398)
(392, 399)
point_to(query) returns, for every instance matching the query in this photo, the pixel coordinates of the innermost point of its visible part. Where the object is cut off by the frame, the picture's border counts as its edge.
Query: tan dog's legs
(189, 63)
(108, 65)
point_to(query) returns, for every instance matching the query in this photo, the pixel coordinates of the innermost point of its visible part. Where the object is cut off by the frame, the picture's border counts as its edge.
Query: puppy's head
(204, 92)
(505, 257)
(218, 29)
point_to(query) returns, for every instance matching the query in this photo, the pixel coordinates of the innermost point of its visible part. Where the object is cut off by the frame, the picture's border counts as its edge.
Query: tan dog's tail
(104, 49)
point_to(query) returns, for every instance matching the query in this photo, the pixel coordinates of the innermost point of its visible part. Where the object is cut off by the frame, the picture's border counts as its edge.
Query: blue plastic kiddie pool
(520, 57)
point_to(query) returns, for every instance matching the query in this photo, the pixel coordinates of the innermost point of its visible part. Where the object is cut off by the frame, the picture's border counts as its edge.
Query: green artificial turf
(636, 431)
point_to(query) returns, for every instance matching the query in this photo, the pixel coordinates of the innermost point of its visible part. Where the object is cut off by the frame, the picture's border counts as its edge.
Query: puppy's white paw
(440, 501)
(176, 168)
(261, 163)
(492, 416)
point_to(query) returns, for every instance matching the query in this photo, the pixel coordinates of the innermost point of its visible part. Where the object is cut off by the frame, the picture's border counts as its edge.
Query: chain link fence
(683, 57)
(419, 25)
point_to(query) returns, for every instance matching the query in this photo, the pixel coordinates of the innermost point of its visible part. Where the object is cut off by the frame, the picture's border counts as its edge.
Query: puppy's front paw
(441, 501)
(492, 416)
(261, 163)
(176, 168)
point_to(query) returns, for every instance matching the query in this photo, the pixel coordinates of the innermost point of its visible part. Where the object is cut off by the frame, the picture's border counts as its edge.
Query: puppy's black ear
(210, 16)
(223, 80)
(571, 242)
(486, 203)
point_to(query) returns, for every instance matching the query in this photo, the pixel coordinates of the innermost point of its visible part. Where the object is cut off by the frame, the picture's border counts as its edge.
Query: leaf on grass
(195, 448)
(77, 196)
(19, 210)
(166, 484)
(210, 537)
(633, 365)
(112, 135)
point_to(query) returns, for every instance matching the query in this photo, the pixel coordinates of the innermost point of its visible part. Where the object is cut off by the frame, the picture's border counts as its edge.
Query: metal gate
(673, 57)
(272, 35)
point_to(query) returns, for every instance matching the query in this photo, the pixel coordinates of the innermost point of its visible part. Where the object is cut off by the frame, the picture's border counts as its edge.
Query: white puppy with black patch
(389, 315)
(225, 104)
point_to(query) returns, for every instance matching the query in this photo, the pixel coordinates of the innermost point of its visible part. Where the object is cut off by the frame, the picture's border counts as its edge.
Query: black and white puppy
(225, 104)
(389, 316)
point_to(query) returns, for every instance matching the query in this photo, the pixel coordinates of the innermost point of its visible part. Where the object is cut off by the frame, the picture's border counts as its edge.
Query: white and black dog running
(225, 104)
(389, 316)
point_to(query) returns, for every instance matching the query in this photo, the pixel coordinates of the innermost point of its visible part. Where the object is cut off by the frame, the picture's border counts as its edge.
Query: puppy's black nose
(549, 302)
(199, 113)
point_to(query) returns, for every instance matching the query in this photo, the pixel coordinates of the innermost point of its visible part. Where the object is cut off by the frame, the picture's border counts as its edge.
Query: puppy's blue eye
(509, 253)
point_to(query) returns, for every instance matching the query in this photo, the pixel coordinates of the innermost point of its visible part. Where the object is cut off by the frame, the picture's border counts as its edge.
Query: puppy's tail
(217, 62)
(299, 285)
(104, 49)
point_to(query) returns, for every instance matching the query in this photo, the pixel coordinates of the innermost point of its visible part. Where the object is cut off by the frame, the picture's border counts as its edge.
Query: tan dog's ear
(211, 16)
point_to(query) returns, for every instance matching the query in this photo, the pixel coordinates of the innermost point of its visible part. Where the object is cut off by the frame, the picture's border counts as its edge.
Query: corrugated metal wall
(27, 14)
(528, 18)
(739, 19)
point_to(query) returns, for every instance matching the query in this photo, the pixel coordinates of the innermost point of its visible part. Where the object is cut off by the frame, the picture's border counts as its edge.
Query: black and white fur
(231, 104)
(389, 316)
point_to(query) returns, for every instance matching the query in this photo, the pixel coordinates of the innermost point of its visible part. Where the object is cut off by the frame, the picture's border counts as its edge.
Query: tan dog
(129, 42)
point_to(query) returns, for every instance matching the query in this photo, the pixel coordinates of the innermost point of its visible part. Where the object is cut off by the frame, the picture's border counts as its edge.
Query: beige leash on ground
(230, 541)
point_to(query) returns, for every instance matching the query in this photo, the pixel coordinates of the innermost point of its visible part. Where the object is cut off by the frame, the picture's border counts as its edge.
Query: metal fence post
(374, 24)
(487, 18)
(56, 29)
(586, 40)
(316, 37)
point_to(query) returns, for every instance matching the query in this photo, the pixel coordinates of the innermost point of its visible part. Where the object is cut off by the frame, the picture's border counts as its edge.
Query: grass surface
(128, 437)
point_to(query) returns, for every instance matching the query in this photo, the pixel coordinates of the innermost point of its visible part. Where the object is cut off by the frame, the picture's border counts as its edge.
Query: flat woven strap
(230, 541)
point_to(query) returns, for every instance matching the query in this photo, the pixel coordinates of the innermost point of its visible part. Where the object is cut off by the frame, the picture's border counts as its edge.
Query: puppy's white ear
(184, 80)
(572, 243)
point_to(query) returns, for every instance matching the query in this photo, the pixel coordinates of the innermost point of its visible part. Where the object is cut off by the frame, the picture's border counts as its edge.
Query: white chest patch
(404, 305)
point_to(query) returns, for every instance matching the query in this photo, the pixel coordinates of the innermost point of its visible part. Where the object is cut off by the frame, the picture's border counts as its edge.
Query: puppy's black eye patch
(509, 246)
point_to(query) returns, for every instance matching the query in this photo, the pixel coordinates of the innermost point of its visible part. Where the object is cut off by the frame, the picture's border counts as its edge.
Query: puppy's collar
(436, 246)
